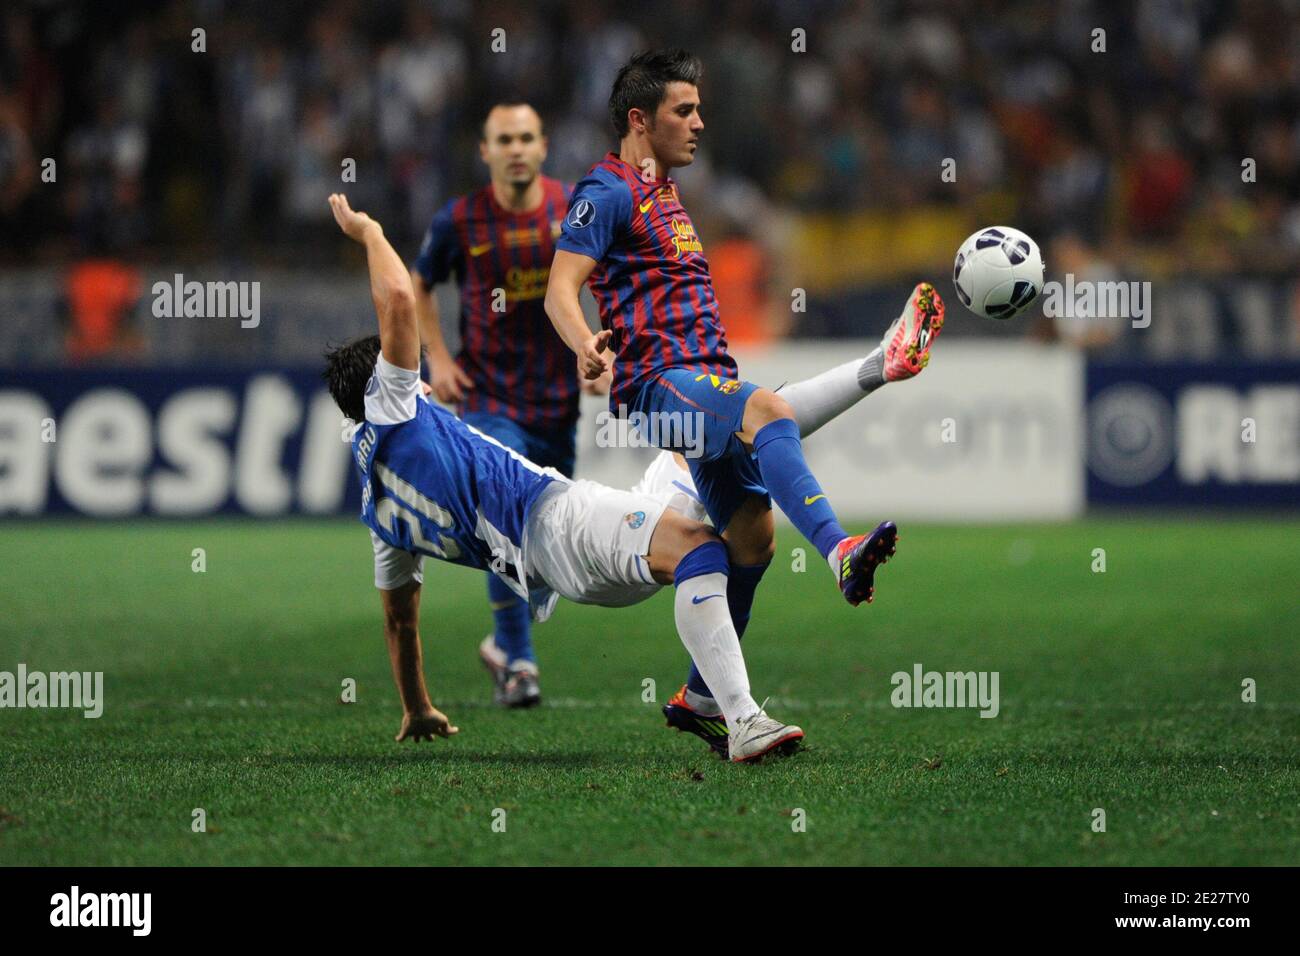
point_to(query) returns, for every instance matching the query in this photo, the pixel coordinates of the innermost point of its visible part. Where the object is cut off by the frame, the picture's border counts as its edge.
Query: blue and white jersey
(432, 485)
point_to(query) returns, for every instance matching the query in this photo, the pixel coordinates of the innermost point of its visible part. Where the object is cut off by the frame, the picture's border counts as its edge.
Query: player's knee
(702, 552)
(674, 538)
(765, 407)
(694, 535)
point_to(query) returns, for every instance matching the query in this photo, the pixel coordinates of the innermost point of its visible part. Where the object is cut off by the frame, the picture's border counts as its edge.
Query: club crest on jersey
(684, 238)
(635, 520)
(726, 386)
(527, 236)
(582, 213)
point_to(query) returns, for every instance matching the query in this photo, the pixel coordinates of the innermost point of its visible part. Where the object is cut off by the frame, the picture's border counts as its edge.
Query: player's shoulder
(447, 221)
(454, 208)
(604, 177)
(601, 191)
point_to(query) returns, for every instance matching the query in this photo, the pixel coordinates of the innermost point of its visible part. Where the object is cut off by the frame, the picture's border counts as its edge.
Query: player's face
(677, 125)
(513, 145)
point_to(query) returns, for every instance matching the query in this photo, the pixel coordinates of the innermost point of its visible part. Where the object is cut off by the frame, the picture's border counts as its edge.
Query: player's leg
(597, 545)
(750, 538)
(697, 561)
(733, 491)
(770, 428)
(726, 486)
(507, 652)
(774, 429)
(903, 352)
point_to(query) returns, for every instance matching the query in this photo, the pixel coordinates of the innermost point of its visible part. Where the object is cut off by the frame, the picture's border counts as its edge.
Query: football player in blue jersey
(433, 486)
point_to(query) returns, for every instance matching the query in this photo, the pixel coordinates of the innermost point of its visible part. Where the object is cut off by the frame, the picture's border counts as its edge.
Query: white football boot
(759, 734)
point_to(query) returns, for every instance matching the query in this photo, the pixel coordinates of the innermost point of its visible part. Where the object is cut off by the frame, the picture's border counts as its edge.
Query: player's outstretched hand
(354, 224)
(591, 360)
(426, 725)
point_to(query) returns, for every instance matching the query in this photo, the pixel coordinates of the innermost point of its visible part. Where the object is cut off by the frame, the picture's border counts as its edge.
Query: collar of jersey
(636, 173)
(502, 211)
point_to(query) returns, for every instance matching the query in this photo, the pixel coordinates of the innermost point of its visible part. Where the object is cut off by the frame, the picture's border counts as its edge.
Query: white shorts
(589, 543)
(393, 566)
(666, 481)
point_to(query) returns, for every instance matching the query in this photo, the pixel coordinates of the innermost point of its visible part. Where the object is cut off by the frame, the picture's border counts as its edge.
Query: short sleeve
(395, 567)
(598, 214)
(440, 253)
(391, 393)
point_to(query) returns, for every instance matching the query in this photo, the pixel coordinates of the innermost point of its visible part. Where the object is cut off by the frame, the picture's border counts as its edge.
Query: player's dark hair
(643, 82)
(507, 103)
(347, 370)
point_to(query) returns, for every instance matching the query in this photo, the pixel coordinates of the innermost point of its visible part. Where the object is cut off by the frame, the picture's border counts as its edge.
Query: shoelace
(746, 722)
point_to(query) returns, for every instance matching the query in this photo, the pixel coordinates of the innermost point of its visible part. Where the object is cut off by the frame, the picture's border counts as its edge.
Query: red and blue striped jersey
(502, 260)
(651, 279)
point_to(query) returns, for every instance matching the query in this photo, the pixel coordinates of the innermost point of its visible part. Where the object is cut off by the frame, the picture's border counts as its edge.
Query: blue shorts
(548, 447)
(724, 471)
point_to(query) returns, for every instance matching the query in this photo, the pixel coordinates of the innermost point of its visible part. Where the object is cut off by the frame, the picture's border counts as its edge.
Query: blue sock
(708, 558)
(512, 626)
(793, 487)
(741, 585)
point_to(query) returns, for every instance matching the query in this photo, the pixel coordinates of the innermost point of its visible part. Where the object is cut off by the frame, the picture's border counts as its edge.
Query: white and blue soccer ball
(998, 272)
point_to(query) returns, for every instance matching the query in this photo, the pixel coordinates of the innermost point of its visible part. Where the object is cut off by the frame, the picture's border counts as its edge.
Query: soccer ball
(998, 272)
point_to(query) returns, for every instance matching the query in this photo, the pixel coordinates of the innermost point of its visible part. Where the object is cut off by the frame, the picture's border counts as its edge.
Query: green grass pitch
(1118, 690)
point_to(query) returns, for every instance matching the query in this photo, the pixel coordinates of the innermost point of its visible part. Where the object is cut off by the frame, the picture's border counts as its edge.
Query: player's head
(513, 144)
(656, 96)
(347, 370)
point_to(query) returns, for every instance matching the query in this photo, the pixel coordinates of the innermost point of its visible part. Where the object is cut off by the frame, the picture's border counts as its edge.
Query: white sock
(704, 706)
(710, 638)
(833, 559)
(818, 399)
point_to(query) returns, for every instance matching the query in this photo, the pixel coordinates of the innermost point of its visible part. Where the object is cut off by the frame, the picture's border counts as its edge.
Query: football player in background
(512, 379)
(627, 232)
(431, 485)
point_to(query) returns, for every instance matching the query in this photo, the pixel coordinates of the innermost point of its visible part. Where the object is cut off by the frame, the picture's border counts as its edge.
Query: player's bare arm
(448, 379)
(420, 719)
(390, 285)
(569, 271)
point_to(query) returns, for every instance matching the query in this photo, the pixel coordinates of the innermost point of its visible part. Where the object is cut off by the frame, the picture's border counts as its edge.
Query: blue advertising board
(1219, 434)
(172, 442)
(188, 442)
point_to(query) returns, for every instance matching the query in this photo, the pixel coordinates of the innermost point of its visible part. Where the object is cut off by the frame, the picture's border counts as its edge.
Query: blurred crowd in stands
(1165, 132)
